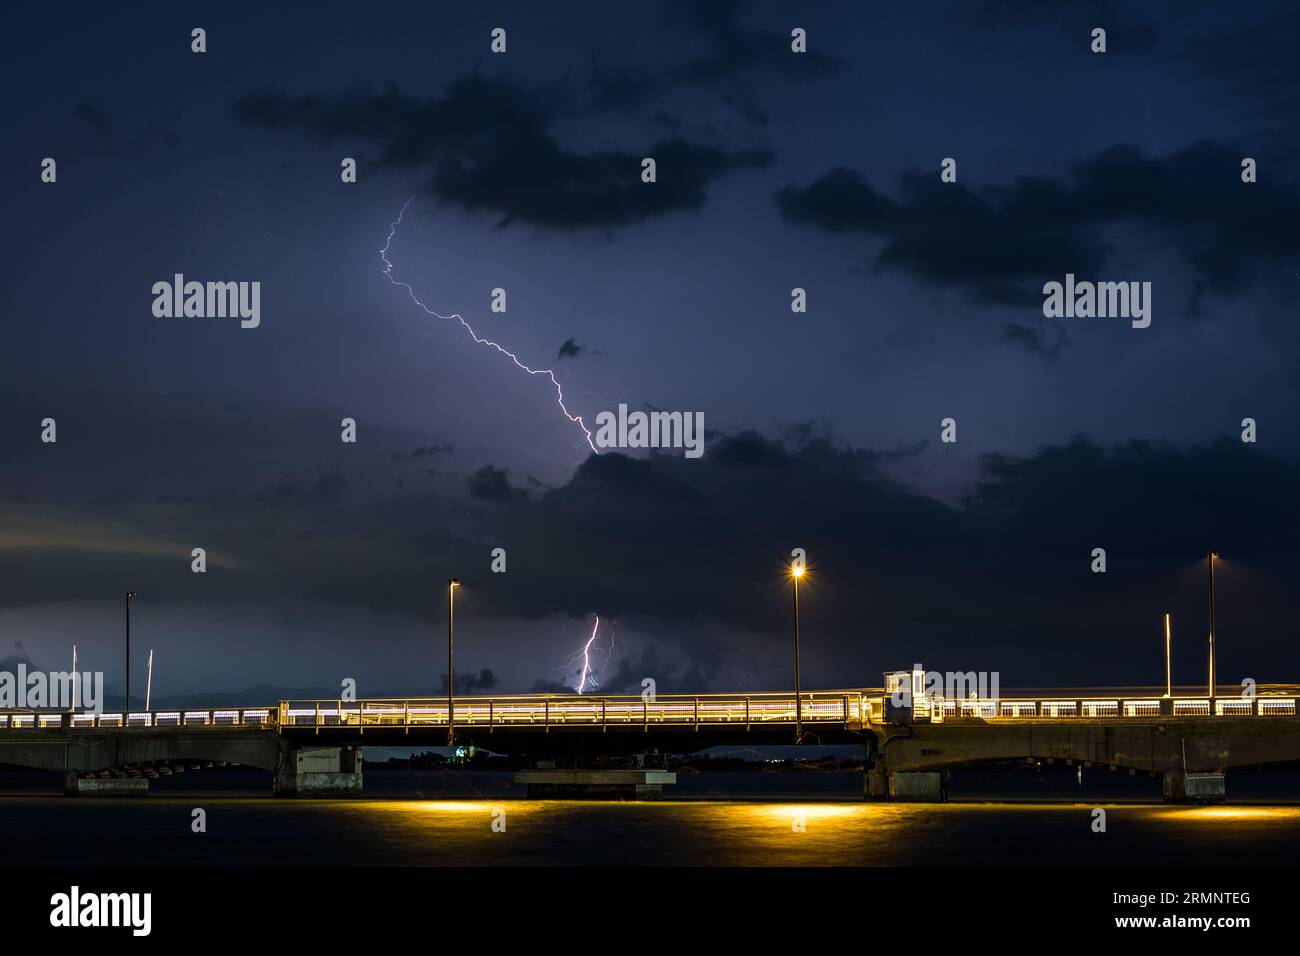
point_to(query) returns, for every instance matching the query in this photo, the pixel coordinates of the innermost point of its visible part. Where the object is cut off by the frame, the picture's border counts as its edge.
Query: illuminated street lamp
(1210, 559)
(1169, 672)
(452, 585)
(126, 706)
(796, 572)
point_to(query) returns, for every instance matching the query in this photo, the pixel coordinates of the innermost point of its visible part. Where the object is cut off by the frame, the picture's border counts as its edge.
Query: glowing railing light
(1272, 706)
(1141, 708)
(825, 707)
(1019, 708)
(1238, 707)
(1059, 708)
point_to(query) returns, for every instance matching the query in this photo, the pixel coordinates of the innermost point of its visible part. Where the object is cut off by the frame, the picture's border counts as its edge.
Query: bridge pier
(318, 771)
(1183, 787)
(594, 784)
(905, 787)
(75, 785)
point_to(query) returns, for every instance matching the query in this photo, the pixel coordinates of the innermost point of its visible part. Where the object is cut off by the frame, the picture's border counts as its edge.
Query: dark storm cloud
(420, 451)
(489, 146)
(675, 666)
(492, 484)
(570, 349)
(95, 117)
(470, 683)
(1002, 243)
(667, 544)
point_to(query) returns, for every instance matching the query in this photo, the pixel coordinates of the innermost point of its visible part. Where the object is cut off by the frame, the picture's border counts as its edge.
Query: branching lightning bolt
(585, 680)
(582, 664)
(549, 373)
(586, 656)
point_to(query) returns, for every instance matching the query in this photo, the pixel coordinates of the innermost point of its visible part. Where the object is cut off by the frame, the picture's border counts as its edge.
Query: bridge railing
(843, 708)
(839, 707)
(146, 719)
(938, 709)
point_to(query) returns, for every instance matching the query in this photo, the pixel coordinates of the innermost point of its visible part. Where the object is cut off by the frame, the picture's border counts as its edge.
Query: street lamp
(1169, 671)
(1210, 559)
(796, 572)
(126, 706)
(452, 585)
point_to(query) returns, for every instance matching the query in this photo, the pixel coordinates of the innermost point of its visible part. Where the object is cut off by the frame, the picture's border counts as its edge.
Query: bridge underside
(1156, 745)
(912, 761)
(559, 740)
(906, 761)
(86, 751)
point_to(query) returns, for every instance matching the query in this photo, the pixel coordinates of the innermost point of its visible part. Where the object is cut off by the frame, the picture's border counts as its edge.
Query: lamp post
(796, 572)
(126, 706)
(452, 585)
(1169, 673)
(1210, 559)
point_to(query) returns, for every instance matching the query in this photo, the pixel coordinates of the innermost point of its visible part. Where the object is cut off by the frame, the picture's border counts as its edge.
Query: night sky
(775, 170)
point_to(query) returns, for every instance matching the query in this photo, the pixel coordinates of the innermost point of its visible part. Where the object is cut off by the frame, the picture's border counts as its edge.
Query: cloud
(489, 147)
(483, 682)
(678, 550)
(95, 117)
(492, 484)
(570, 349)
(420, 451)
(1002, 243)
(30, 531)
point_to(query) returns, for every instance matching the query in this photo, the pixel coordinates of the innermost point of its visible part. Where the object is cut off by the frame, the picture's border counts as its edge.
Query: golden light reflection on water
(802, 812)
(462, 832)
(1230, 814)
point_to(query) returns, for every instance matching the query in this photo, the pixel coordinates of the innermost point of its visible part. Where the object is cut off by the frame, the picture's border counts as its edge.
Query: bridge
(911, 744)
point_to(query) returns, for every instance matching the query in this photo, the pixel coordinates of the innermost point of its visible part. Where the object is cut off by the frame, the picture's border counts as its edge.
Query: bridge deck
(852, 708)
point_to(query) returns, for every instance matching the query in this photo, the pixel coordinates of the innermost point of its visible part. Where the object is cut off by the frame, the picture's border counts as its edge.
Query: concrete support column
(318, 772)
(1183, 787)
(76, 785)
(875, 784)
(919, 787)
(905, 787)
(595, 784)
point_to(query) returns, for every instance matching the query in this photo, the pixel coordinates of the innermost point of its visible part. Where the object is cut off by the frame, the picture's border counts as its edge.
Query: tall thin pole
(74, 678)
(1211, 559)
(451, 617)
(798, 703)
(1169, 672)
(148, 686)
(126, 706)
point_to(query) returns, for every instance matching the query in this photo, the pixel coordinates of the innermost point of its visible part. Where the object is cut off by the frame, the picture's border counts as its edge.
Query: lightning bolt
(549, 373)
(586, 673)
(585, 679)
(586, 656)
